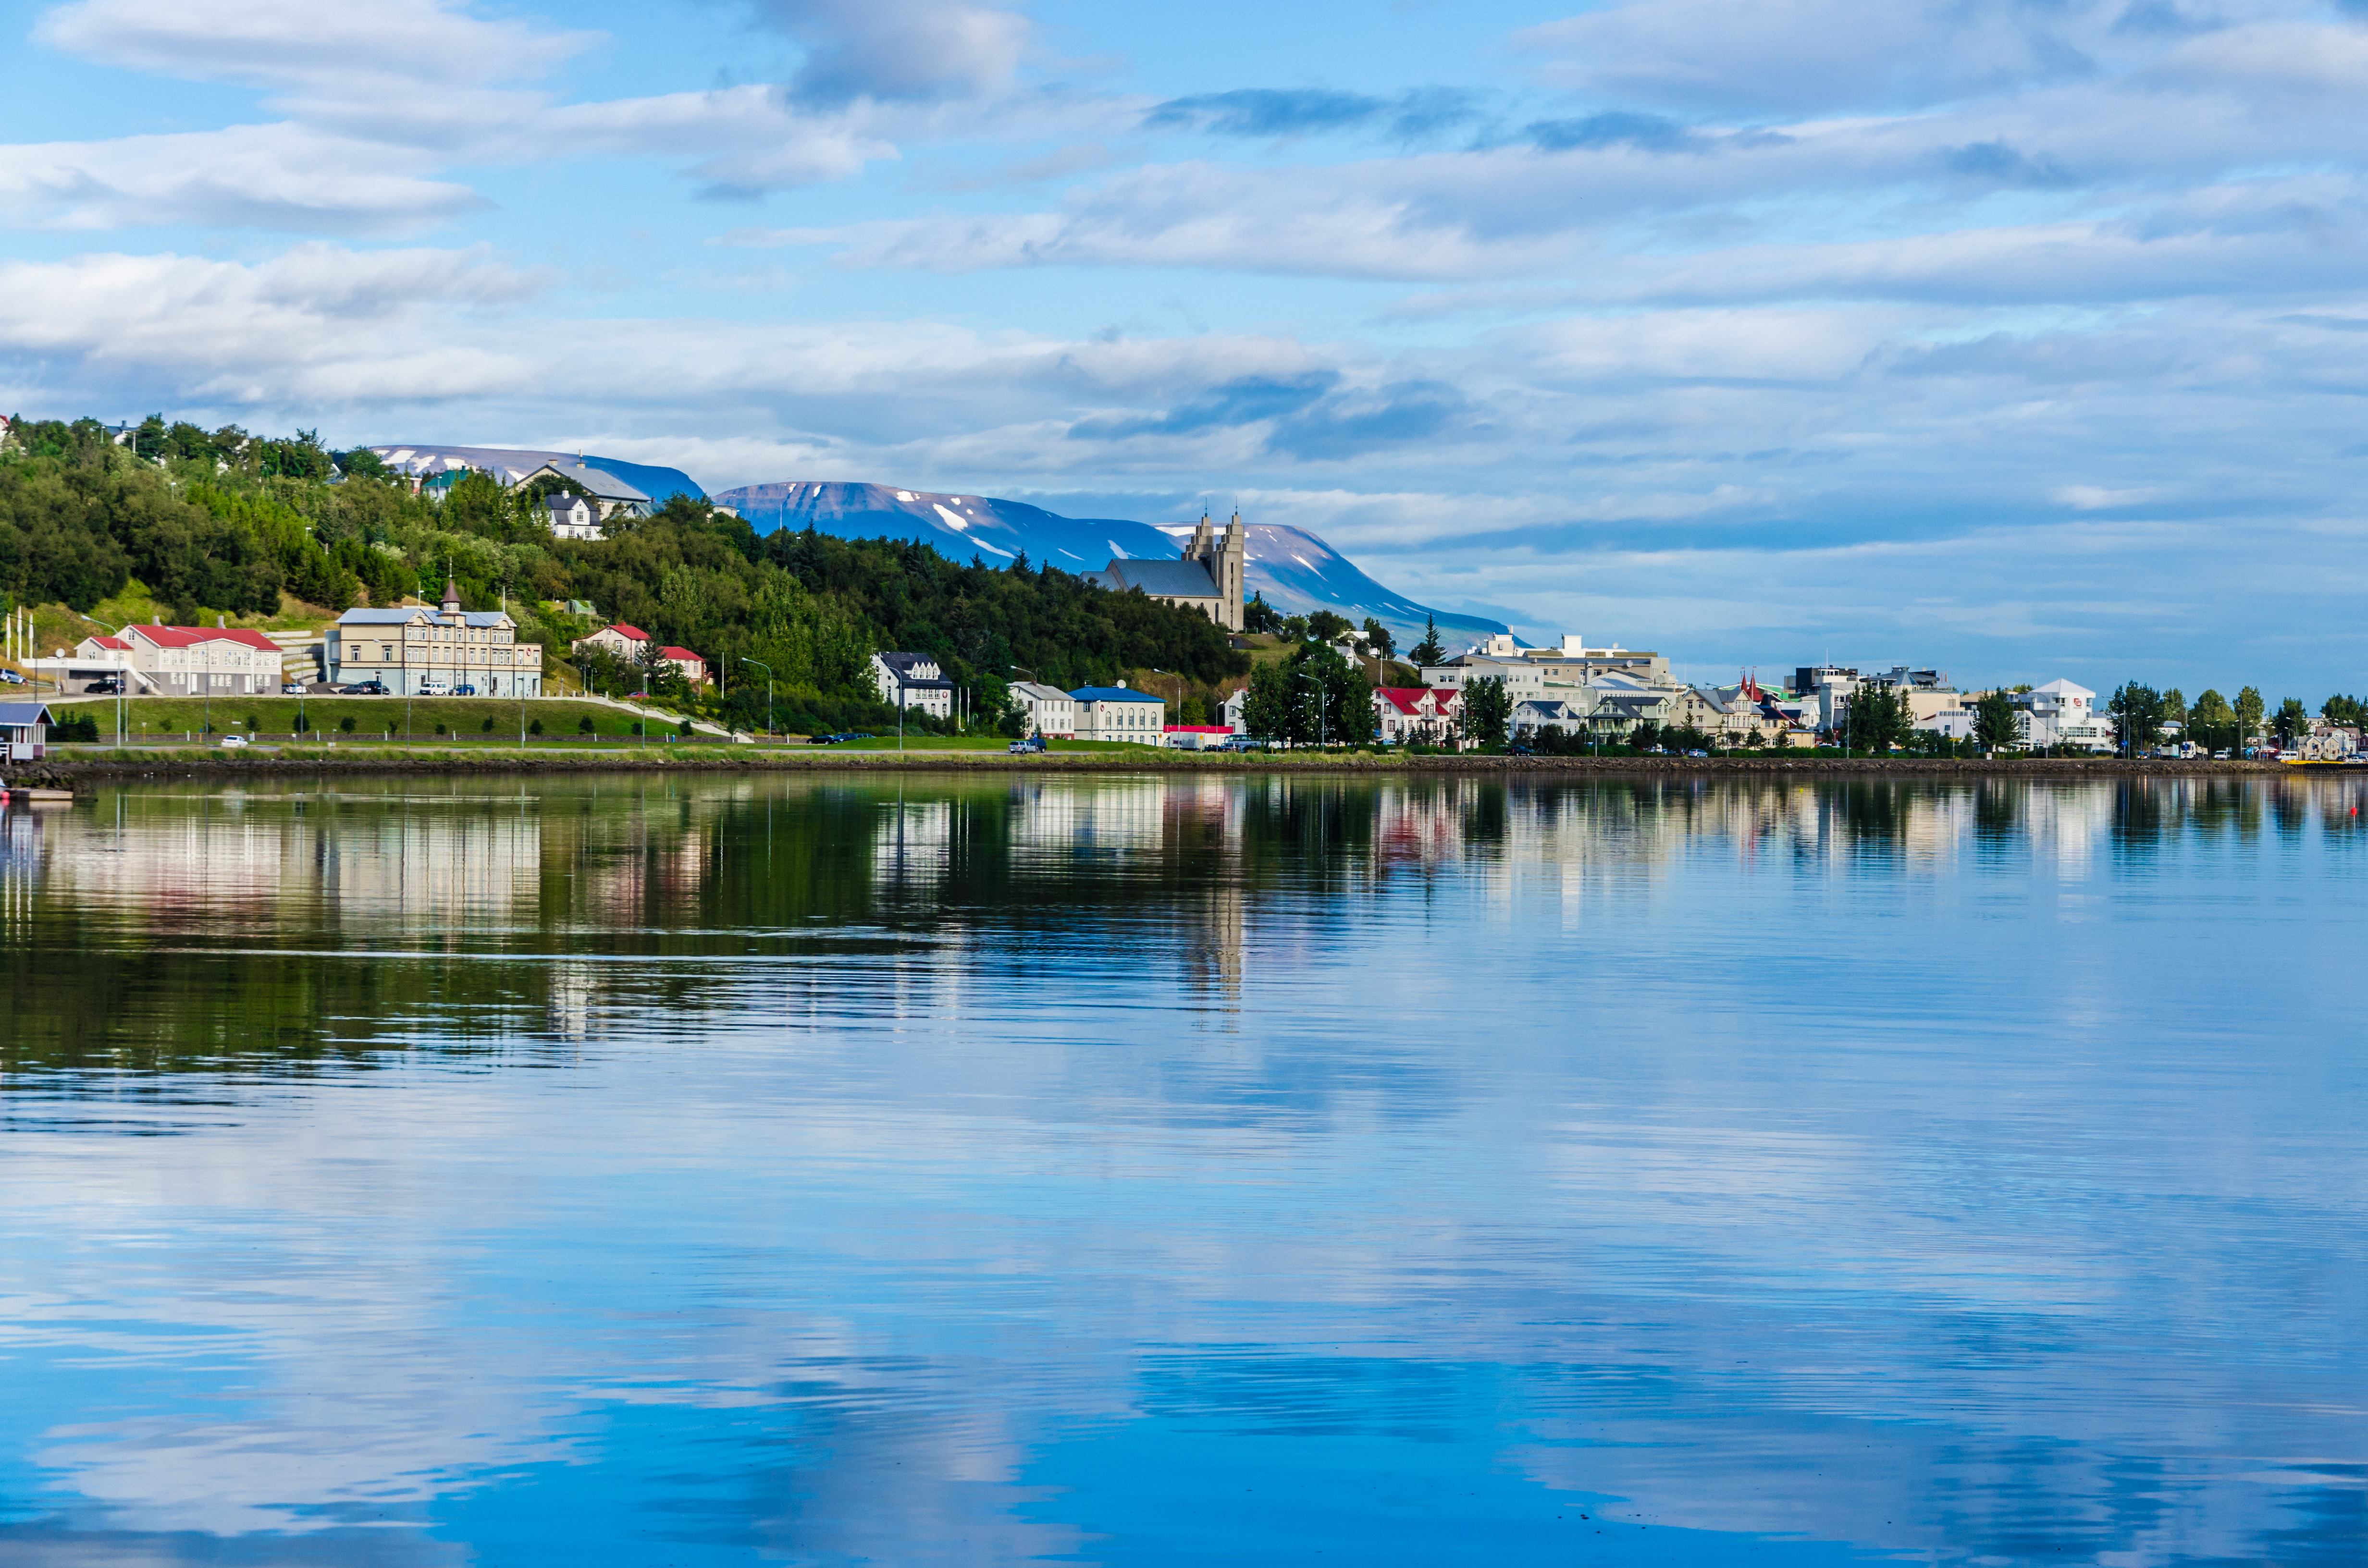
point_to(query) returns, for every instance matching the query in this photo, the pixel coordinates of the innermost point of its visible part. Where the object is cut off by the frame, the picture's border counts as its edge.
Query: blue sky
(2022, 338)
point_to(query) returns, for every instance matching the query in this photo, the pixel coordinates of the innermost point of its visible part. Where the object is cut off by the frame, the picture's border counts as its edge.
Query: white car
(12, 677)
(233, 740)
(291, 689)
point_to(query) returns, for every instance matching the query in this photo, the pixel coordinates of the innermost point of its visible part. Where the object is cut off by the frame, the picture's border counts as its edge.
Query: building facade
(414, 651)
(913, 680)
(1120, 713)
(1414, 715)
(1052, 712)
(177, 661)
(572, 517)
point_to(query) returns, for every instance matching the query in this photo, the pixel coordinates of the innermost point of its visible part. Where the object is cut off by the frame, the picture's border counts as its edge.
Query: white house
(913, 680)
(1120, 713)
(1052, 712)
(611, 496)
(572, 517)
(2061, 713)
(178, 661)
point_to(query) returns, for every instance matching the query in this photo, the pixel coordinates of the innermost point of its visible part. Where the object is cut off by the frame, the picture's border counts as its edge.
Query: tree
(1326, 627)
(1646, 735)
(2249, 710)
(1487, 710)
(2138, 716)
(1347, 712)
(1378, 638)
(1428, 651)
(1266, 711)
(2340, 710)
(2174, 709)
(2210, 722)
(1993, 725)
(1260, 616)
(2292, 721)
(1878, 716)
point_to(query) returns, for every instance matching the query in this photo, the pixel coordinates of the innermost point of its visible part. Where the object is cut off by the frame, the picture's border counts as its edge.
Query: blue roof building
(1120, 713)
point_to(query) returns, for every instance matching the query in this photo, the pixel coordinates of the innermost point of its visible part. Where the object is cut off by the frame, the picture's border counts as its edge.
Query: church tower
(1223, 554)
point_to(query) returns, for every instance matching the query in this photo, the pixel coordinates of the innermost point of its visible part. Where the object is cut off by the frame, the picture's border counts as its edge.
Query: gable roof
(1115, 694)
(673, 653)
(1405, 698)
(24, 712)
(604, 485)
(1177, 579)
(1036, 691)
(630, 633)
(118, 643)
(190, 636)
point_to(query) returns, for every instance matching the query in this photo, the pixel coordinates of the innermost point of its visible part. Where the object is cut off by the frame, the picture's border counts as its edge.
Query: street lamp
(769, 689)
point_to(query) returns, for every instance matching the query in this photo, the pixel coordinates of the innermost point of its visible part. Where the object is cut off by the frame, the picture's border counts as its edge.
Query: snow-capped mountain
(1292, 569)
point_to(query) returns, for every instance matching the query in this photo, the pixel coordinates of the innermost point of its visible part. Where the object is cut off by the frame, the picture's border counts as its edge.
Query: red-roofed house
(179, 661)
(1415, 715)
(628, 644)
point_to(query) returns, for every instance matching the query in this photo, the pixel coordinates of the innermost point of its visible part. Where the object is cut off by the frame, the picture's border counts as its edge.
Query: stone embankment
(85, 772)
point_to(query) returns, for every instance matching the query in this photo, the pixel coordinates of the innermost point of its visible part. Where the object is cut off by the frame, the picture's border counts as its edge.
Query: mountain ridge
(1295, 570)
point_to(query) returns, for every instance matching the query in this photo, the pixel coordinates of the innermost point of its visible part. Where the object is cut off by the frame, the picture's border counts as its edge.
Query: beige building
(414, 651)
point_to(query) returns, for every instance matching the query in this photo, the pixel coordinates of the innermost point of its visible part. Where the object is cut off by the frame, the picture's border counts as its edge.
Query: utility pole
(768, 690)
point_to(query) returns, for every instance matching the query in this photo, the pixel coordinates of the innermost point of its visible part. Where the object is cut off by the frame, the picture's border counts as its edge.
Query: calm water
(1155, 1171)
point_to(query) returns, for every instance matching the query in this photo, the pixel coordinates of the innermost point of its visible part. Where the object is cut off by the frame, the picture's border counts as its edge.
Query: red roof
(188, 636)
(118, 643)
(632, 633)
(1198, 729)
(1405, 698)
(681, 654)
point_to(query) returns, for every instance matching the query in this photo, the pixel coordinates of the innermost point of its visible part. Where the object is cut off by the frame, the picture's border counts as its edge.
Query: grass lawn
(461, 718)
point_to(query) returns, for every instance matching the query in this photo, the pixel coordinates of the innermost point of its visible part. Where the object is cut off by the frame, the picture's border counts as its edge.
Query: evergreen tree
(1994, 721)
(2250, 710)
(1428, 652)
(1487, 711)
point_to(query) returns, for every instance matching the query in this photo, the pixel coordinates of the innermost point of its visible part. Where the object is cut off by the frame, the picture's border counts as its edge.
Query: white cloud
(900, 49)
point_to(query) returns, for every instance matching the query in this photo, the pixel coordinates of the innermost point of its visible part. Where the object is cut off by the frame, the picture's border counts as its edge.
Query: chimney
(222, 623)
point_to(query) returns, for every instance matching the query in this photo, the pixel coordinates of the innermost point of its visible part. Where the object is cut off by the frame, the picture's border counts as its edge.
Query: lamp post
(769, 689)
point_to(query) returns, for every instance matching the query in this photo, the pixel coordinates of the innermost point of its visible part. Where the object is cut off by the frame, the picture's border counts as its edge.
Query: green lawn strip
(463, 717)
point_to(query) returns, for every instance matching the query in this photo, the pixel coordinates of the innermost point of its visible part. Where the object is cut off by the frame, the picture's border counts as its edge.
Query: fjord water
(1151, 1170)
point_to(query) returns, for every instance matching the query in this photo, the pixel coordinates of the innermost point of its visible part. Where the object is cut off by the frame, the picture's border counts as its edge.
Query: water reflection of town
(1187, 865)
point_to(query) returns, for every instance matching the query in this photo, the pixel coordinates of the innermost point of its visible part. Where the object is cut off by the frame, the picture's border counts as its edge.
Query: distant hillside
(510, 464)
(1294, 570)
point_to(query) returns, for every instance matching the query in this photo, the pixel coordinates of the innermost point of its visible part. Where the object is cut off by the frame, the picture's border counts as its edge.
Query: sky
(2024, 340)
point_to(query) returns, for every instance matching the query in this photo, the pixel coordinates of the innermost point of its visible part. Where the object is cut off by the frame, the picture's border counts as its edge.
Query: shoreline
(85, 773)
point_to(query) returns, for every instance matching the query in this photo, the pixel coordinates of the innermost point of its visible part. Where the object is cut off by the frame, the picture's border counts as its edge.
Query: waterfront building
(1414, 715)
(24, 732)
(1208, 578)
(175, 661)
(2062, 714)
(1052, 712)
(1195, 737)
(913, 680)
(1118, 713)
(417, 650)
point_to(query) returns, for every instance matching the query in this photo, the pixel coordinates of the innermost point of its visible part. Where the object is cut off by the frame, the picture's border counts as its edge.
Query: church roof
(1175, 579)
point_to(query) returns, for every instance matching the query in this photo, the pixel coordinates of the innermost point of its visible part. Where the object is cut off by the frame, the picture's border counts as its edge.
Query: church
(1208, 578)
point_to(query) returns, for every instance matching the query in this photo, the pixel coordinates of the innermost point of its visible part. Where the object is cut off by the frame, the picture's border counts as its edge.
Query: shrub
(535, 728)
(489, 723)
(440, 726)
(586, 726)
(347, 723)
(686, 729)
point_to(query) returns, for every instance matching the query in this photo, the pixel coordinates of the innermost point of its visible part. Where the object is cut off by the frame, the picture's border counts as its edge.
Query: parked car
(104, 689)
(1032, 744)
(1237, 743)
(233, 740)
(291, 689)
(12, 677)
(465, 691)
(364, 688)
